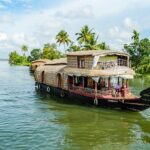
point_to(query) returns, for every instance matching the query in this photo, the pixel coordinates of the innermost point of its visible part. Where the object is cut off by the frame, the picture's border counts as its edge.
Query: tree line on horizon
(87, 39)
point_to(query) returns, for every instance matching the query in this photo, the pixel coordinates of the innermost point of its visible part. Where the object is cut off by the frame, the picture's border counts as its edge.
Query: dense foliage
(35, 54)
(16, 59)
(139, 50)
(88, 40)
(49, 51)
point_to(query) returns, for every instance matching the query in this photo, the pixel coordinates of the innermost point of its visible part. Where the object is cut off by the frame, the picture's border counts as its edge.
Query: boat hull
(134, 105)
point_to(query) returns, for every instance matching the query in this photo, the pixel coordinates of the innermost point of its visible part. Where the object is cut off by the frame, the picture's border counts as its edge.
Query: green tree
(88, 40)
(50, 52)
(73, 48)
(139, 51)
(35, 54)
(85, 34)
(103, 46)
(16, 59)
(91, 44)
(63, 38)
(24, 49)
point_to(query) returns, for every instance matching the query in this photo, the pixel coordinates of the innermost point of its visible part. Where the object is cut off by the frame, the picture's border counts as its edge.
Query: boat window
(122, 61)
(81, 62)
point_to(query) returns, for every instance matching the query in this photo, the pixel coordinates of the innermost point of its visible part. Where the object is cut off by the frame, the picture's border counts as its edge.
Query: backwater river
(30, 120)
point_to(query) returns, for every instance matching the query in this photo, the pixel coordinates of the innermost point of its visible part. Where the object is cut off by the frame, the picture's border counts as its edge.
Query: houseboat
(98, 77)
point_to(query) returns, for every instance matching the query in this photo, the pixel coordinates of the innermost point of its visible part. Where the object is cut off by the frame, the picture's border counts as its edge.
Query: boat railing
(100, 92)
(104, 91)
(122, 62)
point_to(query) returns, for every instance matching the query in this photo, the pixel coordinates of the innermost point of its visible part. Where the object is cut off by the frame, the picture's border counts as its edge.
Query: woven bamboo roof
(57, 61)
(121, 71)
(50, 68)
(115, 71)
(41, 61)
(97, 52)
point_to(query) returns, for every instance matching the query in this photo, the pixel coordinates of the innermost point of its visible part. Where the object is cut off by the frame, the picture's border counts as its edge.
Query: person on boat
(117, 88)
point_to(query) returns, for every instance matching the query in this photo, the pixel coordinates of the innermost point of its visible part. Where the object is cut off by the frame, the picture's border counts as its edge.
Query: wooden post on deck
(96, 90)
(118, 81)
(122, 82)
(73, 83)
(126, 83)
(109, 86)
(123, 88)
(83, 82)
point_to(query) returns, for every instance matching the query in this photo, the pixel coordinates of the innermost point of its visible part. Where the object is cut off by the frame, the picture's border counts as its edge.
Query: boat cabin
(99, 73)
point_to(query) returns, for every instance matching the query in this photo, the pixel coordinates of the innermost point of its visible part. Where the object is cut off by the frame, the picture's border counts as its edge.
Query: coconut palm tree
(73, 47)
(91, 44)
(63, 38)
(24, 49)
(84, 36)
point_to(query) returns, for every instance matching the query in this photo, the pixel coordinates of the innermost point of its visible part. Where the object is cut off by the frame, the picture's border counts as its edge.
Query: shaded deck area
(102, 94)
(104, 88)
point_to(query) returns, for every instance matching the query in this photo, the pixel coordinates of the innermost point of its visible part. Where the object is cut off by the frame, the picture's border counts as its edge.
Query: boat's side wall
(73, 61)
(52, 76)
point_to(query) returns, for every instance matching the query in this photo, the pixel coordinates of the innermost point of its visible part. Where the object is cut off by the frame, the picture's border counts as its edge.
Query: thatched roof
(97, 52)
(115, 71)
(121, 71)
(57, 61)
(50, 68)
(41, 61)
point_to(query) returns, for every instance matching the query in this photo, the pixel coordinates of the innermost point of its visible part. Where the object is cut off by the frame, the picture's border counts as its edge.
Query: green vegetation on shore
(87, 39)
(139, 51)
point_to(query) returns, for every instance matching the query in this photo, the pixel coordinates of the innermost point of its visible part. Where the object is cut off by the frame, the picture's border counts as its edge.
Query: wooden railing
(100, 93)
(122, 62)
(87, 90)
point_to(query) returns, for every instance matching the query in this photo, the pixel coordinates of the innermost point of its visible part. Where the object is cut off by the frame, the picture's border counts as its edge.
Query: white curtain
(96, 79)
(95, 61)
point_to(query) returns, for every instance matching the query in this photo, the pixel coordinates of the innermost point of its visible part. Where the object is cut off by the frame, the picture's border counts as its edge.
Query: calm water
(31, 120)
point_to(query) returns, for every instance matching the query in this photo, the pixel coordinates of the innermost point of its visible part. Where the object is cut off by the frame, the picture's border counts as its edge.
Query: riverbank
(21, 64)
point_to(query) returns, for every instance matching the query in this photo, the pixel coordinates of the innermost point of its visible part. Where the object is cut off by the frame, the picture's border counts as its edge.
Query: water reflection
(98, 128)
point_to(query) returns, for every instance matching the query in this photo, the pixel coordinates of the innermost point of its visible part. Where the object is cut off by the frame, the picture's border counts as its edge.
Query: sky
(36, 22)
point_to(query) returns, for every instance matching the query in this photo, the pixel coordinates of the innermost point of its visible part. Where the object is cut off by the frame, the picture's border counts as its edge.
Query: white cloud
(3, 36)
(130, 24)
(117, 32)
(109, 18)
(121, 34)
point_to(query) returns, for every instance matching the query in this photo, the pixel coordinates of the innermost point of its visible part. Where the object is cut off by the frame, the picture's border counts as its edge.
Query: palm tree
(91, 44)
(24, 49)
(84, 36)
(63, 38)
(73, 48)
(103, 46)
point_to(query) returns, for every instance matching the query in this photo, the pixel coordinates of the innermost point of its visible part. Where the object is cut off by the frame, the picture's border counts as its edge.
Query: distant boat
(3, 59)
(99, 77)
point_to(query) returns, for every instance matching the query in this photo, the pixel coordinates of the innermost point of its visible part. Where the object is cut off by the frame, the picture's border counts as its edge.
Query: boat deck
(103, 94)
